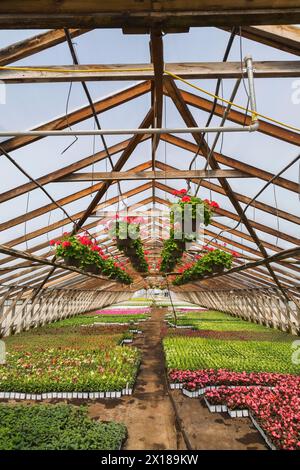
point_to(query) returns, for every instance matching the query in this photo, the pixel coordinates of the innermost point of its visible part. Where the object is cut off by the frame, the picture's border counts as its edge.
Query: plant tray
(262, 433)
(64, 395)
(238, 413)
(190, 393)
(215, 408)
(176, 386)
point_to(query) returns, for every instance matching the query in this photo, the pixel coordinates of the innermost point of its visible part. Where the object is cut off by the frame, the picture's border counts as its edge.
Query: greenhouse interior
(150, 250)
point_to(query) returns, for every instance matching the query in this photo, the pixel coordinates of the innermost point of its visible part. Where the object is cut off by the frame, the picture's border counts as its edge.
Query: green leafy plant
(83, 252)
(56, 427)
(127, 234)
(193, 208)
(250, 356)
(171, 254)
(212, 261)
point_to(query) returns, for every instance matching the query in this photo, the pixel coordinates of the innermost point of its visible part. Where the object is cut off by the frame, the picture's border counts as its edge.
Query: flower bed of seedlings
(273, 400)
(249, 356)
(56, 427)
(65, 359)
(124, 311)
(216, 321)
(98, 318)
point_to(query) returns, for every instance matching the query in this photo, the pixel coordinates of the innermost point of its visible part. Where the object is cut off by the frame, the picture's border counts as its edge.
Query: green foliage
(171, 254)
(217, 321)
(249, 356)
(197, 208)
(90, 319)
(56, 427)
(81, 251)
(216, 259)
(138, 257)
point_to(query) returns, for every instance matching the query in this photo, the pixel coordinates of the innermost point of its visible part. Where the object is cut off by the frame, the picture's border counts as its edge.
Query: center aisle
(148, 414)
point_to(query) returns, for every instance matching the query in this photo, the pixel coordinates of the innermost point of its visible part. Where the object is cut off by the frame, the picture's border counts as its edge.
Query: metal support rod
(176, 130)
(250, 74)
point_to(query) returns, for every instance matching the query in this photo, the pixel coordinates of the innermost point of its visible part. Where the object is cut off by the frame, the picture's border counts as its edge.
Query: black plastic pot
(124, 242)
(130, 251)
(71, 261)
(92, 268)
(217, 268)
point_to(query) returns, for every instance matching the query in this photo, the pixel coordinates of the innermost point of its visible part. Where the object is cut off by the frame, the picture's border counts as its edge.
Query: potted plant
(211, 262)
(83, 252)
(188, 212)
(171, 253)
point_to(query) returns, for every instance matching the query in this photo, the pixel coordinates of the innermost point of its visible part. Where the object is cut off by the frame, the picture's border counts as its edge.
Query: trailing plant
(83, 252)
(188, 212)
(171, 254)
(214, 260)
(185, 216)
(127, 234)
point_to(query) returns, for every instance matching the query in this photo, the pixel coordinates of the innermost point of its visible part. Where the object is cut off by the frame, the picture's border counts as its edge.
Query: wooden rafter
(117, 72)
(173, 15)
(33, 45)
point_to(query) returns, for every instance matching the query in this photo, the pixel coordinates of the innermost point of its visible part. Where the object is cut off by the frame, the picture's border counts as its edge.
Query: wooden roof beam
(119, 72)
(142, 16)
(27, 47)
(244, 199)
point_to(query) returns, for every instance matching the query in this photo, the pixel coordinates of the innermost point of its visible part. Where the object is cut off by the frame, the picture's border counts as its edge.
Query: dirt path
(148, 414)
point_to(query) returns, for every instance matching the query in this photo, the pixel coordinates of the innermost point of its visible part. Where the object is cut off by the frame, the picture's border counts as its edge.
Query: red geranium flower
(186, 199)
(183, 191)
(66, 243)
(52, 242)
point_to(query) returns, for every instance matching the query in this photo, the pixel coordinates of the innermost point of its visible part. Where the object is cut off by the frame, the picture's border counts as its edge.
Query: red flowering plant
(127, 233)
(82, 251)
(276, 409)
(189, 211)
(213, 261)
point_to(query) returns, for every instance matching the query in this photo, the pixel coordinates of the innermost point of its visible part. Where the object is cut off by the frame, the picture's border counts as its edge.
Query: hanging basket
(71, 261)
(124, 242)
(92, 268)
(130, 251)
(217, 268)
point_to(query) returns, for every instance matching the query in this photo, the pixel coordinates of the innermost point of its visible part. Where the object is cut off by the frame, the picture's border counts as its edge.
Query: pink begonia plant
(121, 311)
(273, 399)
